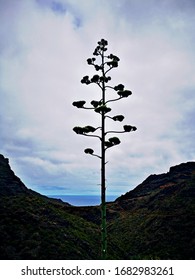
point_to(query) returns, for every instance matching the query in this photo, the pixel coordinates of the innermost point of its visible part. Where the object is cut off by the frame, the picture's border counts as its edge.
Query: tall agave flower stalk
(105, 64)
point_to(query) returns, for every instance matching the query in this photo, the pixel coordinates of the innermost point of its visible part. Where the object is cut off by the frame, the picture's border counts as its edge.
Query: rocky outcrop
(10, 184)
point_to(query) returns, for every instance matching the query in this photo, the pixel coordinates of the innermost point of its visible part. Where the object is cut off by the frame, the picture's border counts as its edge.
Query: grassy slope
(158, 226)
(32, 227)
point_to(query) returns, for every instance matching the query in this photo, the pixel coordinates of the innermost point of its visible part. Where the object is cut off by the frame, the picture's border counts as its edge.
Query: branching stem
(107, 63)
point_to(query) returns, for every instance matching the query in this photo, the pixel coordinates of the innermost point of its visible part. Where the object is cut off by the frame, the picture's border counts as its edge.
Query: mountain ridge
(10, 184)
(176, 174)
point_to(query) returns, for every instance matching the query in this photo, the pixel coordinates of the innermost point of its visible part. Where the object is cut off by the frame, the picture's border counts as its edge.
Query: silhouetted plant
(105, 65)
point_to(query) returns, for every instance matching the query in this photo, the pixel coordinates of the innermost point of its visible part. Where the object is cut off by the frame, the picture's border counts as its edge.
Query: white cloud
(43, 58)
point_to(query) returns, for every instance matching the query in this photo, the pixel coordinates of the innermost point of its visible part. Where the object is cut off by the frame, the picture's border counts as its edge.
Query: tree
(102, 80)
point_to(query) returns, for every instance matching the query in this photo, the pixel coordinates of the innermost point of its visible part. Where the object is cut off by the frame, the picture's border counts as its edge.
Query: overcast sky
(43, 50)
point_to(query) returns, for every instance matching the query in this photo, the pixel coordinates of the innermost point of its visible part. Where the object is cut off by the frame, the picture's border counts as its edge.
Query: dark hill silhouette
(153, 221)
(10, 184)
(154, 183)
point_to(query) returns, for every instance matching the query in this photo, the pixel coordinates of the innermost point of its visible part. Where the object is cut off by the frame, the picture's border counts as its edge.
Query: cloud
(44, 47)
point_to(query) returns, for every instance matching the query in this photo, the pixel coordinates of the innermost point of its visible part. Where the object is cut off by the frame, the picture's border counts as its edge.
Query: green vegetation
(154, 221)
(33, 228)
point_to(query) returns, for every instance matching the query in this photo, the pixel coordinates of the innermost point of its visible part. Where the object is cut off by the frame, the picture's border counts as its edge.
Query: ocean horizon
(83, 200)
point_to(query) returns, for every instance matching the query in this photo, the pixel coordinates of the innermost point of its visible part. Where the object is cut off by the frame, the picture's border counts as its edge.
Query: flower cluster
(107, 62)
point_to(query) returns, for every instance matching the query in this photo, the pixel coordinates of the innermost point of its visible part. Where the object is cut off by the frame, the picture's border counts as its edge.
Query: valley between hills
(156, 220)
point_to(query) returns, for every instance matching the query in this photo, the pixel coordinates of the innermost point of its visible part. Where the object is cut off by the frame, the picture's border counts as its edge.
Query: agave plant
(102, 80)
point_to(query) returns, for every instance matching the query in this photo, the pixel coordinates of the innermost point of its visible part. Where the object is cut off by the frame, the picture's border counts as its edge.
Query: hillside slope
(33, 226)
(158, 217)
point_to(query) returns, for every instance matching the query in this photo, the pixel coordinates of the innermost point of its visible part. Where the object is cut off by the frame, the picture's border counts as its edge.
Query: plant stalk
(103, 179)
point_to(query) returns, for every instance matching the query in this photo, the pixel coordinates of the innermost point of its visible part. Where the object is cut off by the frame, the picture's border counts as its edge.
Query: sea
(84, 200)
